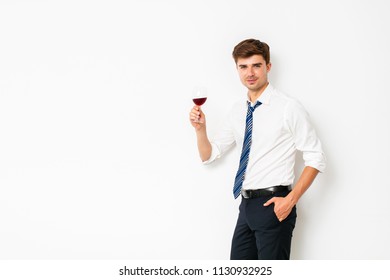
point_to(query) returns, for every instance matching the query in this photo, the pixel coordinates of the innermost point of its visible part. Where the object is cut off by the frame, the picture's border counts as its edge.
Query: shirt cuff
(215, 154)
(317, 163)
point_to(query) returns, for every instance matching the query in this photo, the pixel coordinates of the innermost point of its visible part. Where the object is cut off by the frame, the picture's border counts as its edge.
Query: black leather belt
(263, 192)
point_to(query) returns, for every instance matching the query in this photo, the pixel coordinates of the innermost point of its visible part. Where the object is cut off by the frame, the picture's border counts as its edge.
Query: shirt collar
(265, 96)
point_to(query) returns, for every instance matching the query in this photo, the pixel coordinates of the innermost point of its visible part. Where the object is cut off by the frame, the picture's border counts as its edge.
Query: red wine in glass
(199, 96)
(199, 101)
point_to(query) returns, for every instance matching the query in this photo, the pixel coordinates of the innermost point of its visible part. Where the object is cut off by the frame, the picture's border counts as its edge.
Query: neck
(255, 94)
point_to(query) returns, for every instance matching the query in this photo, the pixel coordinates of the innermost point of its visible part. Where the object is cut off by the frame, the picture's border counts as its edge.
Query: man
(268, 127)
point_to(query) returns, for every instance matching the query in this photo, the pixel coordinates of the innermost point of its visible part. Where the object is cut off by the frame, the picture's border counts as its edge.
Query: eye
(257, 65)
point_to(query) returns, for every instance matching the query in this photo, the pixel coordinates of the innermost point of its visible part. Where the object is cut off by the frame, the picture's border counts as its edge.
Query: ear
(269, 65)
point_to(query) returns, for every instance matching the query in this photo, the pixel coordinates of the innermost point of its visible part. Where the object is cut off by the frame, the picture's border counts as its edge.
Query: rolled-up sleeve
(221, 142)
(305, 137)
(215, 153)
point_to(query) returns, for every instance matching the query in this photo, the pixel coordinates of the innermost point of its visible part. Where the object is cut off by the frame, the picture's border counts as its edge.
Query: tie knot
(258, 103)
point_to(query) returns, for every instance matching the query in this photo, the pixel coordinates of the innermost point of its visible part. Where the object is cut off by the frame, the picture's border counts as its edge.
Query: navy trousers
(258, 234)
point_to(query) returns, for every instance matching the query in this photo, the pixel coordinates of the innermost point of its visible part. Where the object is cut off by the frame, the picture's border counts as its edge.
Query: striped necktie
(245, 149)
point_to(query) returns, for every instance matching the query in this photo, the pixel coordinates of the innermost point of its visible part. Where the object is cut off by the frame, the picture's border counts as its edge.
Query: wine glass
(199, 96)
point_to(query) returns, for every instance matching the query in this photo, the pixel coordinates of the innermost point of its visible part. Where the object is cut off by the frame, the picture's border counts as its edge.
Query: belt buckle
(244, 194)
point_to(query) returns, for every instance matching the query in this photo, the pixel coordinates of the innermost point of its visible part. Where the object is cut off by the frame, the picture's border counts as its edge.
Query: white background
(97, 156)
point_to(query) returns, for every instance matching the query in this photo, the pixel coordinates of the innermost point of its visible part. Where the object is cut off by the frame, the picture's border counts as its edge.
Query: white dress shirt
(281, 126)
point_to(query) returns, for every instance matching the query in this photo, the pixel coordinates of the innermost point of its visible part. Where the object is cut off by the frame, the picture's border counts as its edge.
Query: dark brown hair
(250, 47)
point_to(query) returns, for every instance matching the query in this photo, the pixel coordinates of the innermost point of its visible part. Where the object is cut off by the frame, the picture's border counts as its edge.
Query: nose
(251, 71)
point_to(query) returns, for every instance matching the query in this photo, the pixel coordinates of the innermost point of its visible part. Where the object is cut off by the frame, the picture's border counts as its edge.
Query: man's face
(253, 72)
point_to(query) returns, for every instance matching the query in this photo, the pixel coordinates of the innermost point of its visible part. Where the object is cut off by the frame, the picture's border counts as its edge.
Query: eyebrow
(254, 64)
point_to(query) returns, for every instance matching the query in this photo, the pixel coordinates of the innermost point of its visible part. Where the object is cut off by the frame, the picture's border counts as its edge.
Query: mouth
(251, 81)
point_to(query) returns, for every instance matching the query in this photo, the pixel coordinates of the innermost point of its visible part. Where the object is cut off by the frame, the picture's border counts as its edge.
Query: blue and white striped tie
(246, 147)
